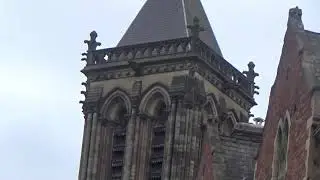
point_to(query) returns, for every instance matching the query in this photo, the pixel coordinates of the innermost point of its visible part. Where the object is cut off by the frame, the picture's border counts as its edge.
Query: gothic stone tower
(165, 104)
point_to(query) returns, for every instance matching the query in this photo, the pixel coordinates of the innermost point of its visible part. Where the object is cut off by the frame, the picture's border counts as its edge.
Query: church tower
(165, 104)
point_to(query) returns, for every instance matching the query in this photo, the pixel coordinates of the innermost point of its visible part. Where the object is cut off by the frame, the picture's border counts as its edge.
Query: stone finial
(92, 43)
(295, 13)
(295, 18)
(195, 28)
(251, 75)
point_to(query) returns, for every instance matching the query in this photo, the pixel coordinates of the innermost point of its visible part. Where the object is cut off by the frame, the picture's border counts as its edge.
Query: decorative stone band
(144, 115)
(247, 130)
(107, 122)
(169, 49)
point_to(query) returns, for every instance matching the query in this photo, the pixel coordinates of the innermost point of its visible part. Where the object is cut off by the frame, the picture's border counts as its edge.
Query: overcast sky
(41, 42)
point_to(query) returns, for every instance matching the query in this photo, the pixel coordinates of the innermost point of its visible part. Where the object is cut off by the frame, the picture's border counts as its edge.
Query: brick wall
(289, 93)
(205, 171)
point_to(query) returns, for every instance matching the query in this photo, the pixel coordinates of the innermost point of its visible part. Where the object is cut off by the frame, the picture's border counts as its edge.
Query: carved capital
(144, 115)
(115, 123)
(106, 122)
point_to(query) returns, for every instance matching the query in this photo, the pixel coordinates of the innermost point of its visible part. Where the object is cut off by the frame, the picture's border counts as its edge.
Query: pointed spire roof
(168, 19)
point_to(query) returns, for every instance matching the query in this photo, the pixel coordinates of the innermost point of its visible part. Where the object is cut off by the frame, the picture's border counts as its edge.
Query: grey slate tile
(160, 20)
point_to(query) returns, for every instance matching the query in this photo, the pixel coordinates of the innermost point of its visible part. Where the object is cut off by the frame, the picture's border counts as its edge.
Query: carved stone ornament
(115, 69)
(295, 13)
(251, 75)
(92, 46)
(91, 102)
(190, 88)
(92, 43)
(195, 28)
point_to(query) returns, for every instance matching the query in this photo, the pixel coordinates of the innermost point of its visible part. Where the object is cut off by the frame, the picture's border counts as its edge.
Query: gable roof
(313, 40)
(160, 20)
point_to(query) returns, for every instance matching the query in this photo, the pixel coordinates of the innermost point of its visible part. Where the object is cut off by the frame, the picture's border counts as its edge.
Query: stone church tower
(165, 104)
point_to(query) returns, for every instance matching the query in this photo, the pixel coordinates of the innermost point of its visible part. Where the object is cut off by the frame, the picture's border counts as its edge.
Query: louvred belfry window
(119, 139)
(118, 147)
(158, 141)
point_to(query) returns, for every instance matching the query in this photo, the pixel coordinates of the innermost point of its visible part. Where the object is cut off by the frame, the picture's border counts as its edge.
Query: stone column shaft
(92, 146)
(96, 152)
(135, 149)
(198, 139)
(149, 136)
(193, 144)
(108, 151)
(168, 143)
(176, 142)
(129, 146)
(102, 152)
(189, 144)
(182, 143)
(145, 134)
(86, 146)
(85, 127)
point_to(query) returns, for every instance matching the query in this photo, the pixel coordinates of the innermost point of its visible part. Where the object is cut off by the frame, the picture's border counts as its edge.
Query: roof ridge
(308, 31)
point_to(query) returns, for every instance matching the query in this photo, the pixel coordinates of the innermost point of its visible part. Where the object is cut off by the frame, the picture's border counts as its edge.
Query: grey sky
(41, 42)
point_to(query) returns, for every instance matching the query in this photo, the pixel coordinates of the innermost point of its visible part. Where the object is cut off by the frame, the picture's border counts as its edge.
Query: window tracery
(281, 150)
(118, 144)
(158, 141)
(116, 111)
(155, 105)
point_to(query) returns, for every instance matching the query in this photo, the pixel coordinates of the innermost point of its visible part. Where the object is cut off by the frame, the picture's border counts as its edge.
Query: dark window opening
(118, 147)
(157, 152)
(161, 110)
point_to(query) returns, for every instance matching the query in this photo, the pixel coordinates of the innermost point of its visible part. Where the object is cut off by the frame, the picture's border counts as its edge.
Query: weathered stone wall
(233, 156)
(232, 159)
(289, 94)
(238, 155)
(166, 80)
(230, 104)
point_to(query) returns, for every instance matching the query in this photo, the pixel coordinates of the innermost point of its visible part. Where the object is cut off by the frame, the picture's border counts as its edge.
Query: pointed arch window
(158, 141)
(155, 105)
(280, 155)
(116, 113)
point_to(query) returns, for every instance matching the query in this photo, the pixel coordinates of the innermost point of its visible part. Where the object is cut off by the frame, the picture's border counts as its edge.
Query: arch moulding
(111, 97)
(152, 97)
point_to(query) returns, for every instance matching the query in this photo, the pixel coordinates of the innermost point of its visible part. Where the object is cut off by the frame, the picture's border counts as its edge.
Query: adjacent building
(290, 147)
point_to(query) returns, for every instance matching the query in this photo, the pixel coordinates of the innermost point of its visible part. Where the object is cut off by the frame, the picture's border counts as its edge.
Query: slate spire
(168, 19)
